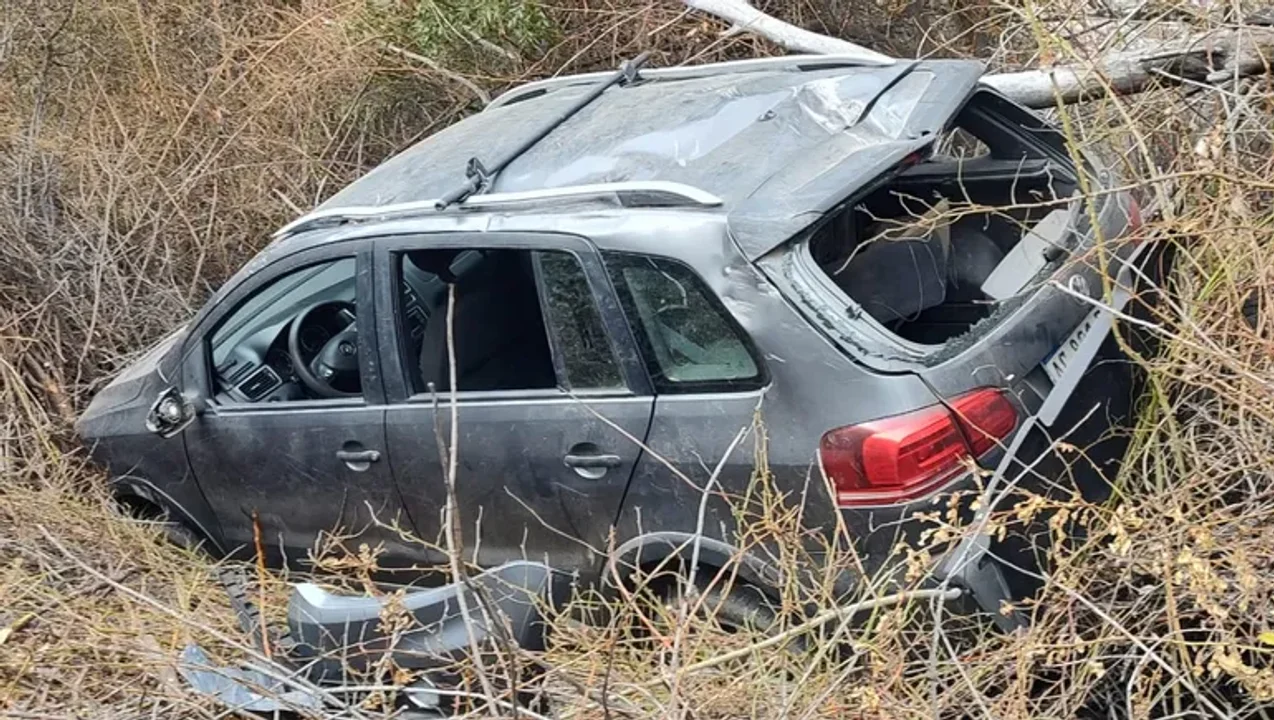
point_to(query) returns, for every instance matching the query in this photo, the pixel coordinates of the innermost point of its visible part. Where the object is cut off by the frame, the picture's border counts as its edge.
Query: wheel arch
(138, 493)
(677, 549)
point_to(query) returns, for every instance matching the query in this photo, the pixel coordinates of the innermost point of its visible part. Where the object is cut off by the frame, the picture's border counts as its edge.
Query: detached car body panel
(629, 293)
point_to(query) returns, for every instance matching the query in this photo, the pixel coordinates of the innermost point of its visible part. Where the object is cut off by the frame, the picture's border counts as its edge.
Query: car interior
(294, 340)
(498, 325)
(688, 339)
(934, 251)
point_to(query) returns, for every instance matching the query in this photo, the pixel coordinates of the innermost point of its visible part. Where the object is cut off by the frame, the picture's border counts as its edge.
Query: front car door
(552, 401)
(283, 460)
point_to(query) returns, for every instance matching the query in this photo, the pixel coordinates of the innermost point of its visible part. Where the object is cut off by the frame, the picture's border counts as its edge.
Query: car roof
(776, 143)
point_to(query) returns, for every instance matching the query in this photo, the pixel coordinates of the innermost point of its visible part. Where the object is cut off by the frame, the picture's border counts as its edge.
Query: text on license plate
(1055, 364)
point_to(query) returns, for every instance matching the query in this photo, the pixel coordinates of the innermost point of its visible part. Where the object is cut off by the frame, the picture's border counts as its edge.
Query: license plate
(1055, 364)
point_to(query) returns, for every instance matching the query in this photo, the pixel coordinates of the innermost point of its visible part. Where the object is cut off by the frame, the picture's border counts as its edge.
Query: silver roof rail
(685, 72)
(636, 193)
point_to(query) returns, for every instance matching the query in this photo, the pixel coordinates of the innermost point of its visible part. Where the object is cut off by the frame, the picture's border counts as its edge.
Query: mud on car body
(890, 261)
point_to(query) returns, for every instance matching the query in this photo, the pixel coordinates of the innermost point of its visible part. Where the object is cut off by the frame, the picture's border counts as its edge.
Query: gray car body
(764, 138)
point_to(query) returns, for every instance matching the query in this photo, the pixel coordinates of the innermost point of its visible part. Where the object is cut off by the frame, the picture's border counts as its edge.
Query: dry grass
(146, 150)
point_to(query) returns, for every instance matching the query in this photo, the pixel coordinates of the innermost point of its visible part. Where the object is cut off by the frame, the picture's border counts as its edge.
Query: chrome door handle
(592, 461)
(366, 456)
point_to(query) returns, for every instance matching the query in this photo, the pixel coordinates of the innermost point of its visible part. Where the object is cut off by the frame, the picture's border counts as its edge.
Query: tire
(175, 532)
(233, 579)
(733, 604)
(237, 583)
(741, 608)
(184, 537)
(736, 606)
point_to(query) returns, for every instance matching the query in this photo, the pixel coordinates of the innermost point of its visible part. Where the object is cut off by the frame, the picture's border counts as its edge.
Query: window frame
(197, 366)
(397, 380)
(658, 380)
(553, 330)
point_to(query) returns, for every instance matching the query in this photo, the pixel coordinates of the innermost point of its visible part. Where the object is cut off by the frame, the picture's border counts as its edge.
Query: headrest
(437, 262)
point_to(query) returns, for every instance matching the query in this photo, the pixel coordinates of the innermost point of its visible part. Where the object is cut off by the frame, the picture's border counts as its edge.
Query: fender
(654, 548)
(139, 487)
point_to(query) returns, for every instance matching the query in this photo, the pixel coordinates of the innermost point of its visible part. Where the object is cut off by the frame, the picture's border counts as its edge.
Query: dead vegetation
(146, 150)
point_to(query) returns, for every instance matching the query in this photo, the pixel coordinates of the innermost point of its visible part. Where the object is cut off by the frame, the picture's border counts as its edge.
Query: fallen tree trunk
(1207, 57)
(743, 17)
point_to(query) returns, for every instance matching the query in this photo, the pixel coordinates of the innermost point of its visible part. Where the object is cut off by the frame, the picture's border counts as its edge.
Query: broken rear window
(934, 251)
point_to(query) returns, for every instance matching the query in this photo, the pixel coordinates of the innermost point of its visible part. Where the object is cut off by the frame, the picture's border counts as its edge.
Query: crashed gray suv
(894, 265)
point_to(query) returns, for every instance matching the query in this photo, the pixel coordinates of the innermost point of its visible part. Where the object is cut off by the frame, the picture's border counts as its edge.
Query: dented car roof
(778, 145)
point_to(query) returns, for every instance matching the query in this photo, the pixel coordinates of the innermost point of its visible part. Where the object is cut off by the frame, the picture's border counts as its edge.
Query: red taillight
(1134, 216)
(906, 456)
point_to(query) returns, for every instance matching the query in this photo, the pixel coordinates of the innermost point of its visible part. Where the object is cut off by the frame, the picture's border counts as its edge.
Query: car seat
(499, 332)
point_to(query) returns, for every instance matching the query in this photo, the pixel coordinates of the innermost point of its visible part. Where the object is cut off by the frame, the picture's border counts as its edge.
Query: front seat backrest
(499, 335)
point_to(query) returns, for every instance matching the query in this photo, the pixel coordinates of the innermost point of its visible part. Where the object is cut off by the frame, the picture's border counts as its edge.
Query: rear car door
(708, 379)
(264, 446)
(551, 400)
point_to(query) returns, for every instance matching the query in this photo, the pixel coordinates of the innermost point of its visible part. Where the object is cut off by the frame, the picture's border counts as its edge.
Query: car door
(709, 381)
(552, 403)
(272, 458)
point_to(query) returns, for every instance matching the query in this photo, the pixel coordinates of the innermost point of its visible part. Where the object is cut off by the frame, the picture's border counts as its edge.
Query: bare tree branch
(451, 511)
(483, 96)
(745, 17)
(1207, 57)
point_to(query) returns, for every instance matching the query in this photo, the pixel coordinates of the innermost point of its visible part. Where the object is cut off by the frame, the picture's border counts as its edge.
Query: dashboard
(250, 354)
(273, 378)
(271, 381)
(258, 367)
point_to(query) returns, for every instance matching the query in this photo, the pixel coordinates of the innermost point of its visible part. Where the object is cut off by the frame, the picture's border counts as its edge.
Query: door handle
(592, 461)
(359, 456)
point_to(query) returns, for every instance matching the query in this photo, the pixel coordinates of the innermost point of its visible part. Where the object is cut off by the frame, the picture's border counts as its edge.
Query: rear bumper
(1101, 402)
(336, 633)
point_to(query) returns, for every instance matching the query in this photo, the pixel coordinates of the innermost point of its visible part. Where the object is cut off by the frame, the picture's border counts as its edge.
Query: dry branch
(471, 86)
(1207, 57)
(451, 516)
(742, 16)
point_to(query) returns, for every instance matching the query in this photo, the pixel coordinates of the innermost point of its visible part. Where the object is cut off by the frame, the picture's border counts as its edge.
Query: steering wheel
(337, 358)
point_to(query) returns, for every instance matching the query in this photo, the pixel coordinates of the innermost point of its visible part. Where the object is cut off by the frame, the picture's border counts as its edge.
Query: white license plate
(1055, 364)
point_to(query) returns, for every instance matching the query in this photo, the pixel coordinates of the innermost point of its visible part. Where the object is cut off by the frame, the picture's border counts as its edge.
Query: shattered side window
(575, 326)
(687, 336)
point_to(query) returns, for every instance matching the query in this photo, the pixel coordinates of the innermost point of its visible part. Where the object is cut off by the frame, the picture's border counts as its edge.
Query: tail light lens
(1135, 220)
(907, 456)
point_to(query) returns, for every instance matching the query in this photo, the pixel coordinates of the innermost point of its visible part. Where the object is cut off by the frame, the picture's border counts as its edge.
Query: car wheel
(736, 606)
(732, 604)
(236, 580)
(183, 537)
(174, 531)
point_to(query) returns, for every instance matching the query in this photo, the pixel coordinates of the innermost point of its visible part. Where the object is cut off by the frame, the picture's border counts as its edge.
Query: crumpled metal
(242, 688)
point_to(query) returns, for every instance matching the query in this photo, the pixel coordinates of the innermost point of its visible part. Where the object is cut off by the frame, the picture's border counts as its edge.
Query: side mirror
(170, 413)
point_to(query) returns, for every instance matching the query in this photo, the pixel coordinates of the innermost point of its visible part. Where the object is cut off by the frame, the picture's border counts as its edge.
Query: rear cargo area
(934, 250)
